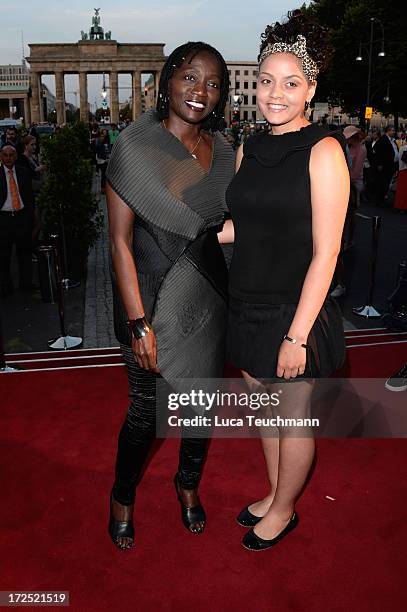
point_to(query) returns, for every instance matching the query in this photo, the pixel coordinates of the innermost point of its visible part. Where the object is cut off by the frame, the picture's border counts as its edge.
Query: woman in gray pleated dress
(166, 183)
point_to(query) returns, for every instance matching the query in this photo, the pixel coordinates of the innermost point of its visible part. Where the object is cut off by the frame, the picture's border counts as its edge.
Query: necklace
(192, 151)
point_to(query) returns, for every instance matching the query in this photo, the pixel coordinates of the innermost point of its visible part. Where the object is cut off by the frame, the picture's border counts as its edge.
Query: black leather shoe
(251, 541)
(120, 529)
(247, 518)
(190, 516)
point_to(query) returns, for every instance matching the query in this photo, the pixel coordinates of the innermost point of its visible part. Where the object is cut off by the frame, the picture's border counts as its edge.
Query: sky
(232, 26)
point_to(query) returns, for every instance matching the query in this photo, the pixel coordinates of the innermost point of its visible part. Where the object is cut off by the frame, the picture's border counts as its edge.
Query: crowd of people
(377, 170)
(102, 140)
(22, 176)
(377, 163)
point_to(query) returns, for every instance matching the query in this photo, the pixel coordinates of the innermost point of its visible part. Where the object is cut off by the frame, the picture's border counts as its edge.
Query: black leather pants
(138, 433)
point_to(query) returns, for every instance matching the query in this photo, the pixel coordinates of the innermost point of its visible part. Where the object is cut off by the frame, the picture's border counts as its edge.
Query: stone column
(136, 94)
(27, 114)
(228, 113)
(83, 97)
(114, 97)
(43, 100)
(35, 97)
(157, 75)
(60, 97)
(10, 105)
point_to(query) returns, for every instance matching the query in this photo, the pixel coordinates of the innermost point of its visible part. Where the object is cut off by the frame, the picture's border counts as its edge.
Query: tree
(126, 113)
(346, 79)
(68, 191)
(72, 116)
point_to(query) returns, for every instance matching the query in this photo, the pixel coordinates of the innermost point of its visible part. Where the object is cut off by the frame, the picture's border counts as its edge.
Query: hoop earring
(306, 107)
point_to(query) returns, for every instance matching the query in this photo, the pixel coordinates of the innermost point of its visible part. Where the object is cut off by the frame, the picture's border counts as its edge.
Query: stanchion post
(58, 274)
(48, 283)
(2, 355)
(4, 368)
(67, 283)
(64, 342)
(401, 271)
(376, 222)
(368, 310)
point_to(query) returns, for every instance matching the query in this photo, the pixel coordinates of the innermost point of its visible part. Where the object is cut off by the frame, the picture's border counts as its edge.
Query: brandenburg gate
(94, 53)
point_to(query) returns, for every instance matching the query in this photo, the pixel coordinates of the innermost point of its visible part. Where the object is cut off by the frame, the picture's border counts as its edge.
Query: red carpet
(58, 437)
(371, 353)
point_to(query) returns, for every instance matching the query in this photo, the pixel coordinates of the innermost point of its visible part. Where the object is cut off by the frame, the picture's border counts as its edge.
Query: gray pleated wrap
(182, 276)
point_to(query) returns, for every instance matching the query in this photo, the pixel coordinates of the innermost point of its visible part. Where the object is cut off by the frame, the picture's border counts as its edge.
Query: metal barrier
(64, 341)
(46, 274)
(401, 271)
(67, 283)
(4, 368)
(368, 310)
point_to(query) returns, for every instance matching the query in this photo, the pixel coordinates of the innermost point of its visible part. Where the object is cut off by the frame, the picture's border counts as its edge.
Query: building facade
(14, 75)
(49, 101)
(14, 92)
(150, 94)
(95, 53)
(243, 92)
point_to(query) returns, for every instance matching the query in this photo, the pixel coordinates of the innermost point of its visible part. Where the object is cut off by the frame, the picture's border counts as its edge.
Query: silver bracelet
(294, 341)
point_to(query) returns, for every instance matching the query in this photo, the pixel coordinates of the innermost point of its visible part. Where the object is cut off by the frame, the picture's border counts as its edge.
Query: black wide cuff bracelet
(138, 327)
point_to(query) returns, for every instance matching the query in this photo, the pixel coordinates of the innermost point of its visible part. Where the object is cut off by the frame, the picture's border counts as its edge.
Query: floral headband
(299, 49)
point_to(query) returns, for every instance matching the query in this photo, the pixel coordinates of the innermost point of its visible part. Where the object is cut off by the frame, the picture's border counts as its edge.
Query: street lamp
(103, 93)
(237, 101)
(387, 96)
(359, 57)
(381, 53)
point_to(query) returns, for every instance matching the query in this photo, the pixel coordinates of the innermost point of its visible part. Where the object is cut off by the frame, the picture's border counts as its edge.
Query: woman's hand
(292, 359)
(227, 235)
(145, 352)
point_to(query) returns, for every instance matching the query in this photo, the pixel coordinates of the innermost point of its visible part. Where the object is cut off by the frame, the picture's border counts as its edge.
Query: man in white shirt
(391, 133)
(16, 220)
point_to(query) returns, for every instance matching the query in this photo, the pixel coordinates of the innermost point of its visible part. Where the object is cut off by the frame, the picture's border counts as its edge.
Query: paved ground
(98, 319)
(28, 323)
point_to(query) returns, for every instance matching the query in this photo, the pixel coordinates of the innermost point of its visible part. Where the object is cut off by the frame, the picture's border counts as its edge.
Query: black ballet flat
(120, 529)
(190, 516)
(251, 541)
(247, 518)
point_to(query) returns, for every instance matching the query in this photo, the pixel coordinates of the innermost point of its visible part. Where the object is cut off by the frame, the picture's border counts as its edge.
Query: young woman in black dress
(288, 202)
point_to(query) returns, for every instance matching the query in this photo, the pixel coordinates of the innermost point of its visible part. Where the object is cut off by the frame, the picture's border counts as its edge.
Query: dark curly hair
(216, 120)
(319, 44)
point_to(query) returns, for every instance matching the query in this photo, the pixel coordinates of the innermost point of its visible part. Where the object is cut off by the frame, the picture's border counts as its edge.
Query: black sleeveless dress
(270, 203)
